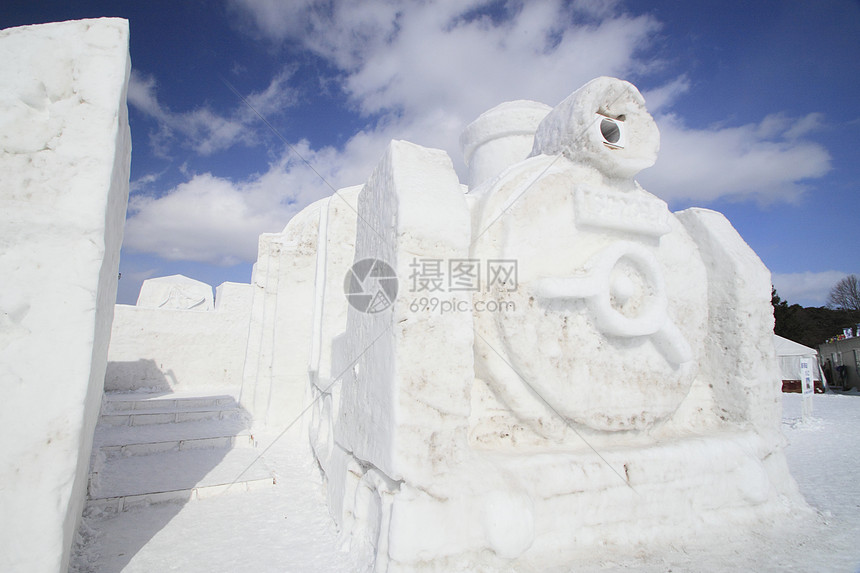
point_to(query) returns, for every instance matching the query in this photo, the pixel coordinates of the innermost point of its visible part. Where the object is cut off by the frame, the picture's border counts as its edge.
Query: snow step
(242, 440)
(137, 409)
(154, 433)
(169, 409)
(137, 418)
(159, 474)
(126, 502)
(137, 403)
(160, 447)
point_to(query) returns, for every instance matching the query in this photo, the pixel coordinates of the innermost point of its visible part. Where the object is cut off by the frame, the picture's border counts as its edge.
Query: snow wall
(176, 349)
(65, 151)
(599, 373)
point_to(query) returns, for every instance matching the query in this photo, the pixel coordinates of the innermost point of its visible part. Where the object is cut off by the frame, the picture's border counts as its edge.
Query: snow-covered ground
(287, 527)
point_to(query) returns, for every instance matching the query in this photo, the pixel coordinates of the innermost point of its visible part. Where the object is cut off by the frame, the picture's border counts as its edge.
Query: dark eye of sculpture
(610, 131)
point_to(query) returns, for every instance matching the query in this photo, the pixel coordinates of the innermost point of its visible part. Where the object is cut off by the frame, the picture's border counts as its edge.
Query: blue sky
(756, 103)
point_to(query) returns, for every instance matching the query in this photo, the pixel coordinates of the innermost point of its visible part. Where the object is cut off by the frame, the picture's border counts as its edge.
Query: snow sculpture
(175, 292)
(626, 391)
(65, 150)
(600, 260)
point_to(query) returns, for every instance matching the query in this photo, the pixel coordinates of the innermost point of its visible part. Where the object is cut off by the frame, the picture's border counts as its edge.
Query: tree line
(813, 325)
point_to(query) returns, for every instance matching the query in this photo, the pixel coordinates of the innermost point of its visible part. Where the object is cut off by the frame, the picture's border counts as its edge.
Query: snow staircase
(153, 448)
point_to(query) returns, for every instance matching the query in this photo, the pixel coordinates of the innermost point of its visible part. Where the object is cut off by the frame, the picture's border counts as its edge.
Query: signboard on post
(808, 388)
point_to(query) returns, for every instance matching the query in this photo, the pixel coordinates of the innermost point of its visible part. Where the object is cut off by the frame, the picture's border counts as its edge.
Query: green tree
(785, 320)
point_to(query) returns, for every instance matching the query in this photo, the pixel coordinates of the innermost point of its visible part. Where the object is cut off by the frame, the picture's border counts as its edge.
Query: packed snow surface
(288, 528)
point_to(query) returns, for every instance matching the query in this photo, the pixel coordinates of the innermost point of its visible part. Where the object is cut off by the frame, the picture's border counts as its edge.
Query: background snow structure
(627, 395)
(175, 292)
(64, 169)
(158, 345)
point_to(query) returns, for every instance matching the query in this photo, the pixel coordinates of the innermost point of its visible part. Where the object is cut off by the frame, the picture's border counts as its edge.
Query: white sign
(806, 377)
(808, 388)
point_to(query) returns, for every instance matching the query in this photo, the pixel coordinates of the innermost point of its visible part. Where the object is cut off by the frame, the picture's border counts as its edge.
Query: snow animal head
(603, 124)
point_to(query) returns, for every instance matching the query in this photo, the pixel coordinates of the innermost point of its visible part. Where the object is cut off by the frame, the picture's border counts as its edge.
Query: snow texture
(627, 394)
(64, 168)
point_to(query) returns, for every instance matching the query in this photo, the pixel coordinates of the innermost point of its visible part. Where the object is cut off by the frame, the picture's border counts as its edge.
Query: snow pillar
(275, 378)
(407, 367)
(335, 255)
(64, 167)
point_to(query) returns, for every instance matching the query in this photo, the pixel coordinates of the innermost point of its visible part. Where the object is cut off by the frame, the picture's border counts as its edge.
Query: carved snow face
(604, 125)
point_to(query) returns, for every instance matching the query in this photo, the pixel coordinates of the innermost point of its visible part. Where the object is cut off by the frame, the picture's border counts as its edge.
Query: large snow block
(413, 381)
(395, 416)
(64, 168)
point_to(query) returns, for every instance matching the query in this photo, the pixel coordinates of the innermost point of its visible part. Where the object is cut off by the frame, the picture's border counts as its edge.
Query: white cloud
(144, 181)
(422, 71)
(216, 220)
(427, 69)
(404, 63)
(475, 65)
(430, 68)
(664, 96)
(206, 219)
(141, 94)
(808, 288)
(203, 129)
(763, 161)
(807, 124)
